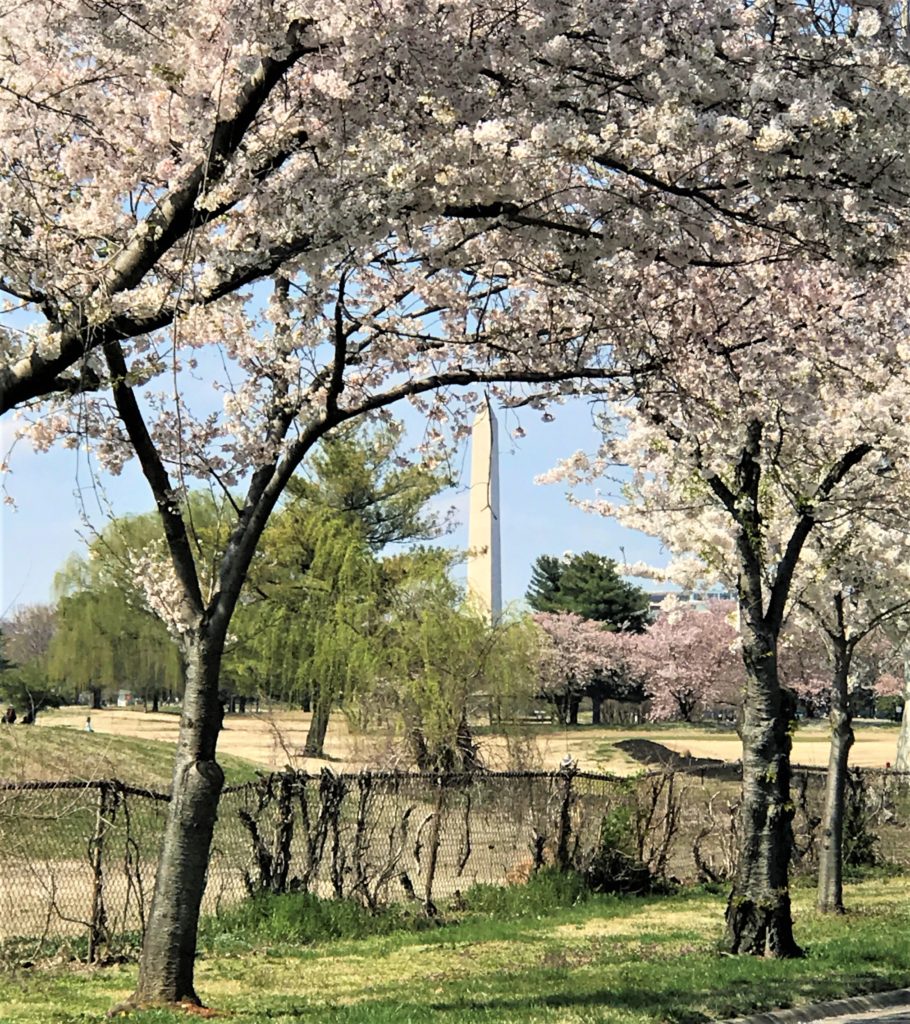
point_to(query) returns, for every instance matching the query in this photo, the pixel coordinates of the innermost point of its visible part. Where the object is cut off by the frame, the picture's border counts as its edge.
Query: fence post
(428, 905)
(284, 833)
(103, 816)
(564, 829)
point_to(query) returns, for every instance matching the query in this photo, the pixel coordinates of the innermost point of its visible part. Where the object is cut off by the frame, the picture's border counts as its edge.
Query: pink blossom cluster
(575, 650)
(689, 660)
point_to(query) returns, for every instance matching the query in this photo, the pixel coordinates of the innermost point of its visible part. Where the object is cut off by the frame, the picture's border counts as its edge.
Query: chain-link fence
(77, 861)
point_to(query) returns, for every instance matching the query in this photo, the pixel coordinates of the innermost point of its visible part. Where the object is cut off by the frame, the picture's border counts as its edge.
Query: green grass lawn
(511, 959)
(53, 752)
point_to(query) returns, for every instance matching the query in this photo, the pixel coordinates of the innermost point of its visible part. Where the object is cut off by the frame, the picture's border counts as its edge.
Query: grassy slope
(28, 753)
(630, 961)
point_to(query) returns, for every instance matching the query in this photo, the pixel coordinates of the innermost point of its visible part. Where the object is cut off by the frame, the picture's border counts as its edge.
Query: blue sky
(52, 491)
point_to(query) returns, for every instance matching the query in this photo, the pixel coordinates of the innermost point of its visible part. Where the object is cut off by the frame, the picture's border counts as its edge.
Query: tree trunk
(596, 705)
(902, 758)
(155, 700)
(420, 749)
(831, 861)
(169, 950)
(561, 703)
(759, 922)
(319, 724)
(468, 755)
(574, 703)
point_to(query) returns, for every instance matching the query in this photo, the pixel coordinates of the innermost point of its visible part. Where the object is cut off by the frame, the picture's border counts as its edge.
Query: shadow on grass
(580, 994)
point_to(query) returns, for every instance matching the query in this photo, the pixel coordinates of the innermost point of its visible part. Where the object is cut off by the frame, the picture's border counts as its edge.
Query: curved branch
(157, 477)
(171, 220)
(787, 565)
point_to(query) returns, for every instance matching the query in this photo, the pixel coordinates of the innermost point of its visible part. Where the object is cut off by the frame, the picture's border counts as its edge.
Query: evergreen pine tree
(588, 585)
(543, 593)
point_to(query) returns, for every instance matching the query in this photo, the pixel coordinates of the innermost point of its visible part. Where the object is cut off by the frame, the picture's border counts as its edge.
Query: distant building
(699, 599)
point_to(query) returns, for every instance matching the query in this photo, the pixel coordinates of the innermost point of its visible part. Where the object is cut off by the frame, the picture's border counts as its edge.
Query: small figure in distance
(9, 716)
(88, 724)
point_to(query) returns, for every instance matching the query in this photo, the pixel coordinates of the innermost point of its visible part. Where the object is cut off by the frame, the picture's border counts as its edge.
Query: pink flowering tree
(162, 159)
(689, 661)
(804, 664)
(579, 657)
(889, 685)
(807, 662)
(759, 427)
(412, 186)
(851, 589)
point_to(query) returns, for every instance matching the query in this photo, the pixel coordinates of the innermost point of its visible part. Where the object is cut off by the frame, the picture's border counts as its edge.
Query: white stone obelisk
(484, 565)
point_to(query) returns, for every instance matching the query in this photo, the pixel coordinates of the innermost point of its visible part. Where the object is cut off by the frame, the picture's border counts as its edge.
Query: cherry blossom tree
(322, 352)
(852, 584)
(162, 157)
(892, 684)
(775, 400)
(579, 657)
(689, 660)
(804, 663)
(409, 182)
(889, 685)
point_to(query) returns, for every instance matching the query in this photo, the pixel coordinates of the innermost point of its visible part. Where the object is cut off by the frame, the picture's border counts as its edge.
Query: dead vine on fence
(77, 860)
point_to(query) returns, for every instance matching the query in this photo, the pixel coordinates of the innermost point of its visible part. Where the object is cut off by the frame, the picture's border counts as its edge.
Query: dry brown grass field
(273, 739)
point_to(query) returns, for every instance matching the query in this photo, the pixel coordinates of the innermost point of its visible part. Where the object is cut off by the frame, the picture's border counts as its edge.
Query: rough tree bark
(843, 636)
(831, 862)
(759, 921)
(168, 951)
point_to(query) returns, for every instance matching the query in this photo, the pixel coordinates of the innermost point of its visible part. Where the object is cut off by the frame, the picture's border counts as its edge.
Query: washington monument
(484, 565)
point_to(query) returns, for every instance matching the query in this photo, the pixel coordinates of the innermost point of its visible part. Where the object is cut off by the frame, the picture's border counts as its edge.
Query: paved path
(894, 1015)
(878, 1008)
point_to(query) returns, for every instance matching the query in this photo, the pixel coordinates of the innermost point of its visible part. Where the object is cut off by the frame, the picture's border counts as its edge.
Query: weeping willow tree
(437, 664)
(308, 637)
(319, 588)
(103, 643)
(106, 638)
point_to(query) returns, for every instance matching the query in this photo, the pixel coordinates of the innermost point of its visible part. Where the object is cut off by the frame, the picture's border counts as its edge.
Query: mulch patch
(651, 753)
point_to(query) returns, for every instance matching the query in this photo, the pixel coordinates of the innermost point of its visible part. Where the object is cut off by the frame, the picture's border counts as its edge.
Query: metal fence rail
(77, 861)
